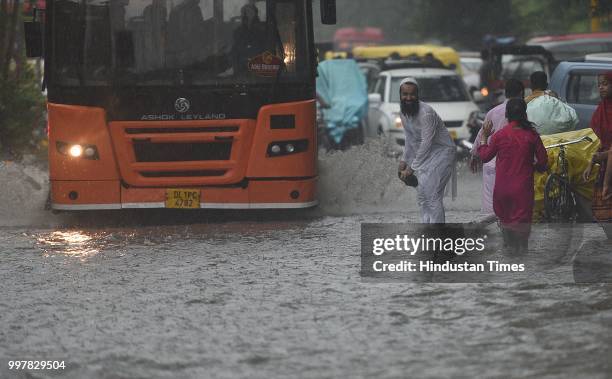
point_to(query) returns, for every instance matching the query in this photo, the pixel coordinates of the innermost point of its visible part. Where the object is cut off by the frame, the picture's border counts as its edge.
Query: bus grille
(214, 129)
(182, 152)
(183, 174)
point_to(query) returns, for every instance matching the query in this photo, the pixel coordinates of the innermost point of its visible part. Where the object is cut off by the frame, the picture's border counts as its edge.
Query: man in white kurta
(429, 152)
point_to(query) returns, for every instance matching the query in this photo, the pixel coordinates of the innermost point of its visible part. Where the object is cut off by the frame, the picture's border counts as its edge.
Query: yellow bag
(578, 156)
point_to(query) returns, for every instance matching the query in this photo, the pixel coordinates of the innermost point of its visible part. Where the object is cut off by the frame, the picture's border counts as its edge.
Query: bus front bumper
(254, 194)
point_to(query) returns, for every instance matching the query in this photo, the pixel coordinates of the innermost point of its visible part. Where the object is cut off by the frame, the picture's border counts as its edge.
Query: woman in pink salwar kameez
(515, 147)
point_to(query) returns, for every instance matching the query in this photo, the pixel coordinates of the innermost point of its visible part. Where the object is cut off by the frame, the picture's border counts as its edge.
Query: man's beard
(410, 108)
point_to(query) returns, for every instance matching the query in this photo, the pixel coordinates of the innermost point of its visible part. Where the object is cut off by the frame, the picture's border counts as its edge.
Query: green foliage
(394, 17)
(551, 17)
(21, 110)
(21, 102)
(464, 23)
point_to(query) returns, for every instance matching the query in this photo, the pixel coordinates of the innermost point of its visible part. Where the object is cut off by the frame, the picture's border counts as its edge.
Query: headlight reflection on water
(69, 243)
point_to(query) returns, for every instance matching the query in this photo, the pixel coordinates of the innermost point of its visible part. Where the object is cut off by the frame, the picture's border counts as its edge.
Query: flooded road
(273, 294)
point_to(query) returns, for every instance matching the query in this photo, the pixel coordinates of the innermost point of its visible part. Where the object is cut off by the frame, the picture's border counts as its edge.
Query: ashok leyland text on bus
(180, 104)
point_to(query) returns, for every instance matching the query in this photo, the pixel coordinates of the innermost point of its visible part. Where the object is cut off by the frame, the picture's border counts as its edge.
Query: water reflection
(70, 243)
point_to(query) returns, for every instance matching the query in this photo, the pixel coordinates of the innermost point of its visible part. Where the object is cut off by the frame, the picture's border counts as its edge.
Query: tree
(463, 23)
(21, 102)
(393, 16)
(550, 17)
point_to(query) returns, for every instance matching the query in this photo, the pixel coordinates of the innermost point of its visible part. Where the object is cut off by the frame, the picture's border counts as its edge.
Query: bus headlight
(75, 150)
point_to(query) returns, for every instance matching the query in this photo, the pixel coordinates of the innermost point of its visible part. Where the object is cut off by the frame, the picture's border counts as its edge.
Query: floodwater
(273, 294)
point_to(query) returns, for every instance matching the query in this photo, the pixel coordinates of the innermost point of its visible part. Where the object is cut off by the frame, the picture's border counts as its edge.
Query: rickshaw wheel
(559, 200)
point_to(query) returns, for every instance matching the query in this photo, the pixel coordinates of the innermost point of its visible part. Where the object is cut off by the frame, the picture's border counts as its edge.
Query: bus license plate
(182, 198)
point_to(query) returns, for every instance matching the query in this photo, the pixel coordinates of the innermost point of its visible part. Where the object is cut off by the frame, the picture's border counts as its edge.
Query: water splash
(361, 180)
(25, 189)
(364, 179)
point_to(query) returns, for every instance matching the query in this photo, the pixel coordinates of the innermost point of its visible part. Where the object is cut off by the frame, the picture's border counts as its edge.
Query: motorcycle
(475, 121)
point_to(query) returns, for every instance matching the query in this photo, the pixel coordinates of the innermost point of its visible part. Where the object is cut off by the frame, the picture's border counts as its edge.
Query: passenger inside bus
(184, 41)
(185, 34)
(249, 38)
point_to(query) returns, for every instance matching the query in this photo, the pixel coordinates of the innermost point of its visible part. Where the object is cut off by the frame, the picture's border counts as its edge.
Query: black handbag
(410, 180)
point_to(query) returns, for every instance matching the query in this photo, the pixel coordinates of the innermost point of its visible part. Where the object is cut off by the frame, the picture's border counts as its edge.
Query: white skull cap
(409, 81)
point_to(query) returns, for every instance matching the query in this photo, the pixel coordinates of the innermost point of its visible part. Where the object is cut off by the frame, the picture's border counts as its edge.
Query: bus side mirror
(33, 39)
(328, 12)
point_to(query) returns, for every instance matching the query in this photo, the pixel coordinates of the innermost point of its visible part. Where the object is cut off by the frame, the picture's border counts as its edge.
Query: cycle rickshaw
(561, 194)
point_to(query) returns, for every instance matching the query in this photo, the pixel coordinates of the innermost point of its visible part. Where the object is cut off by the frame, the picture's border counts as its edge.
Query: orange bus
(181, 103)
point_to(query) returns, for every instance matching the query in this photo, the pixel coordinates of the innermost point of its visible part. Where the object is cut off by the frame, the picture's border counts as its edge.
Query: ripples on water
(272, 294)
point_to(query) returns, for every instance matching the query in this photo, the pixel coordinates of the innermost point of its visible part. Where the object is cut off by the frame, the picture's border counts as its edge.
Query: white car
(443, 89)
(470, 66)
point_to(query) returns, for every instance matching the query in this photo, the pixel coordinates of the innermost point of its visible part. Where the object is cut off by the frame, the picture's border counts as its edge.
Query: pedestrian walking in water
(497, 117)
(601, 123)
(429, 152)
(514, 147)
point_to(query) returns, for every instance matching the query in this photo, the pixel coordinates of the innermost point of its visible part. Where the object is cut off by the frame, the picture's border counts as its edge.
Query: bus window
(285, 20)
(232, 9)
(188, 42)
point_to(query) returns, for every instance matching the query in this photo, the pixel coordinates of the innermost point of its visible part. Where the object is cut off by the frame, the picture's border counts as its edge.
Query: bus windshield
(178, 42)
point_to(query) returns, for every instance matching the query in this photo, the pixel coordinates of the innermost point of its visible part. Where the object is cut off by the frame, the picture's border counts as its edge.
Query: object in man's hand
(410, 180)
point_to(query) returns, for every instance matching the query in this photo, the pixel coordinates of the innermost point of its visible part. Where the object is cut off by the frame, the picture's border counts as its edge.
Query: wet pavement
(274, 294)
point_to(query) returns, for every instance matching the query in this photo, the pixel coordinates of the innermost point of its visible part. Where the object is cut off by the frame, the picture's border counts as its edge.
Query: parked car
(371, 70)
(470, 66)
(576, 84)
(443, 89)
(599, 57)
(571, 46)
